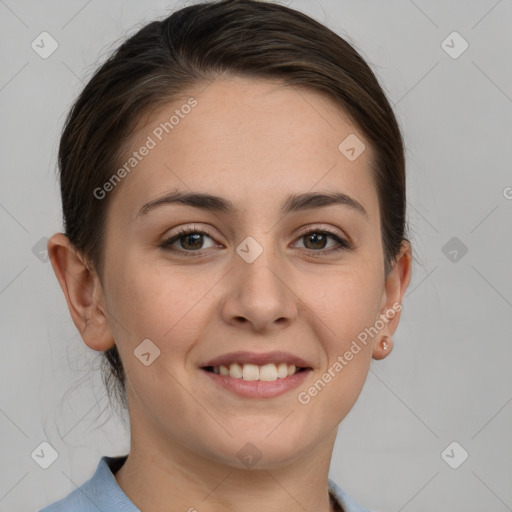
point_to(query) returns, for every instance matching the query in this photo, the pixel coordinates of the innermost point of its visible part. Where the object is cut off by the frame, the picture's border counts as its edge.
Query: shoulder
(347, 503)
(100, 492)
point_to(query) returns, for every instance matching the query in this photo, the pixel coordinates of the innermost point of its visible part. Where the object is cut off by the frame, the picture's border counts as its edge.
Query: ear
(396, 284)
(83, 292)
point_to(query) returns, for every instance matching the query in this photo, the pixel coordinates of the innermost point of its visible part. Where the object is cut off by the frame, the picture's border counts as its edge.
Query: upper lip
(258, 358)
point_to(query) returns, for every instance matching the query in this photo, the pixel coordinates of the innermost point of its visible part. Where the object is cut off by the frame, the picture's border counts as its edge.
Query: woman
(233, 190)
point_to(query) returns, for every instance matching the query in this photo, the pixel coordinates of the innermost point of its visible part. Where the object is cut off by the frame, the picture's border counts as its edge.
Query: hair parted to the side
(193, 46)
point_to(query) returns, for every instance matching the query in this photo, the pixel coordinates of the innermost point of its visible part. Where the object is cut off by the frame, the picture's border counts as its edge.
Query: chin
(257, 452)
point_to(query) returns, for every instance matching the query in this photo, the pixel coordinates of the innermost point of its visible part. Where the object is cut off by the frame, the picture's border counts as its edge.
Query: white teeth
(250, 372)
(268, 372)
(282, 370)
(235, 371)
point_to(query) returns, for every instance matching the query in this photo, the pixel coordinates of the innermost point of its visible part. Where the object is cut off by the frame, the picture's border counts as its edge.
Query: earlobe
(383, 348)
(83, 292)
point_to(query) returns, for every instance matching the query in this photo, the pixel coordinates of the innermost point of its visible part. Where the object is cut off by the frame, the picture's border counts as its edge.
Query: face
(257, 272)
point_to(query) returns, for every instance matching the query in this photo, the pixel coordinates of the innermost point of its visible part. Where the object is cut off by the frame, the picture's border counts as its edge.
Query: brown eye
(316, 241)
(190, 241)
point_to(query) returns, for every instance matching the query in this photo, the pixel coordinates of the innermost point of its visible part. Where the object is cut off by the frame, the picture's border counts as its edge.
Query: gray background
(448, 378)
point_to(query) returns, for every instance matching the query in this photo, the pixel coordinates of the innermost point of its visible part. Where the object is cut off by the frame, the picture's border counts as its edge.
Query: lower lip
(258, 388)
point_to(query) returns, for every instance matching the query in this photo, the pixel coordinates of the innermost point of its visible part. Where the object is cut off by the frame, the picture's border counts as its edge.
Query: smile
(255, 386)
(251, 372)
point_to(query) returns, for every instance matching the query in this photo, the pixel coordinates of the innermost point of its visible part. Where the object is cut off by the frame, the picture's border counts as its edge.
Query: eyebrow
(292, 203)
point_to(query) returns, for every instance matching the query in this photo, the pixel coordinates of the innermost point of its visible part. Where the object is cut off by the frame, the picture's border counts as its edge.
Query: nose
(260, 294)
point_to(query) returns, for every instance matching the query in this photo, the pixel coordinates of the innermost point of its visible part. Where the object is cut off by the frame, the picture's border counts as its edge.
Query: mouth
(252, 365)
(265, 376)
(256, 374)
(270, 372)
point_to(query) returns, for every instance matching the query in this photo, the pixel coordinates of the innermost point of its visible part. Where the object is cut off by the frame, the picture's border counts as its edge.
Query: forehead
(246, 140)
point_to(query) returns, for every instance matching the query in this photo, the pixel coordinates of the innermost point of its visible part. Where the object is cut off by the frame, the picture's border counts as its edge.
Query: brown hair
(194, 45)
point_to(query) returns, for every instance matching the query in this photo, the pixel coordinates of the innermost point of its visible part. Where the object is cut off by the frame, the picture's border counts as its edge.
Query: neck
(174, 478)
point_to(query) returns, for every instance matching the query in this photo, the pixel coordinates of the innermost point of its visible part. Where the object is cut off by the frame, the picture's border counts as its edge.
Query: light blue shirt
(101, 493)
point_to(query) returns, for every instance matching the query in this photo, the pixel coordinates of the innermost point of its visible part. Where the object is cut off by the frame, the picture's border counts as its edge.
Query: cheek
(344, 307)
(341, 318)
(160, 303)
(345, 302)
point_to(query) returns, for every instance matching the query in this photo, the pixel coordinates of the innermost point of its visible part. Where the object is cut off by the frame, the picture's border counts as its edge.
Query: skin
(252, 142)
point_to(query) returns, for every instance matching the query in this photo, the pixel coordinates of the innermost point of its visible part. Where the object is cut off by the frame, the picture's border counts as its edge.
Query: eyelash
(166, 244)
